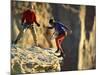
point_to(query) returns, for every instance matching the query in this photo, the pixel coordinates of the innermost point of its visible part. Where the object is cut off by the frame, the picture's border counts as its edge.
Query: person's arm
(23, 19)
(66, 28)
(35, 20)
(37, 23)
(50, 27)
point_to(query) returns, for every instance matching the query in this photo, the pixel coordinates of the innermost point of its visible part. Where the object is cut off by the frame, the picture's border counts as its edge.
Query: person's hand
(38, 25)
(46, 27)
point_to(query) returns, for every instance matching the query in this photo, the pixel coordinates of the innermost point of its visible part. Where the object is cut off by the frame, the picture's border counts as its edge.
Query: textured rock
(80, 52)
(34, 60)
(87, 47)
(43, 14)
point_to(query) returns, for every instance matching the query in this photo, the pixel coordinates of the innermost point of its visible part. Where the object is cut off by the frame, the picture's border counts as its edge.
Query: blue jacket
(60, 28)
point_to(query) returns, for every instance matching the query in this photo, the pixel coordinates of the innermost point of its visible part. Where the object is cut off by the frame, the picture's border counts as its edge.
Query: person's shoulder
(33, 12)
(59, 23)
(28, 11)
(25, 11)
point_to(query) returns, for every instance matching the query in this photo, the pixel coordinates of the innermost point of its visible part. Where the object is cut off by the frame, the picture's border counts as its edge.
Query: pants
(22, 32)
(59, 41)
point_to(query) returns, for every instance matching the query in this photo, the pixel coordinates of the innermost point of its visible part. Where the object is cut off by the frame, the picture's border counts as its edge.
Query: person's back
(29, 17)
(27, 20)
(59, 27)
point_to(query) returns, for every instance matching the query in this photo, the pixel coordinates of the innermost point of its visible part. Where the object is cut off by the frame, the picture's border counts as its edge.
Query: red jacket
(28, 17)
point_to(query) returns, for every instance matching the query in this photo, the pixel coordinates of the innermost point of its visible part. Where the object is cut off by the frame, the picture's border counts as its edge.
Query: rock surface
(43, 14)
(80, 52)
(34, 60)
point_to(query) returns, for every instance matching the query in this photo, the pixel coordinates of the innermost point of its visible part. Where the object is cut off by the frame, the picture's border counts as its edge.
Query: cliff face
(34, 60)
(43, 14)
(25, 57)
(79, 47)
(87, 46)
(69, 15)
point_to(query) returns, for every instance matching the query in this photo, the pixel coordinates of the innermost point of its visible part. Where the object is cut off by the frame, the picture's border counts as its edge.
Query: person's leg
(20, 34)
(59, 41)
(34, 35)
(18, 37)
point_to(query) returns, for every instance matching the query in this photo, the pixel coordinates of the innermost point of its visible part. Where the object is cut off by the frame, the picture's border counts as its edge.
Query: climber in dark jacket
(62, 31)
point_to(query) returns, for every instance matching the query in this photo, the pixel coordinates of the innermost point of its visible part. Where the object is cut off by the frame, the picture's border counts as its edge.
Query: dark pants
(25, 27)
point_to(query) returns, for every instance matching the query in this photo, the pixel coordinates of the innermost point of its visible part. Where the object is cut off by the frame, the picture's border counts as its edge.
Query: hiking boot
(57, 50)
(14, 42)
(62, 55)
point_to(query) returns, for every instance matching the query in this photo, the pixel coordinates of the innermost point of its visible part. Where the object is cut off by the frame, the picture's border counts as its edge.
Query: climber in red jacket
(27, 20)
(29, 17)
